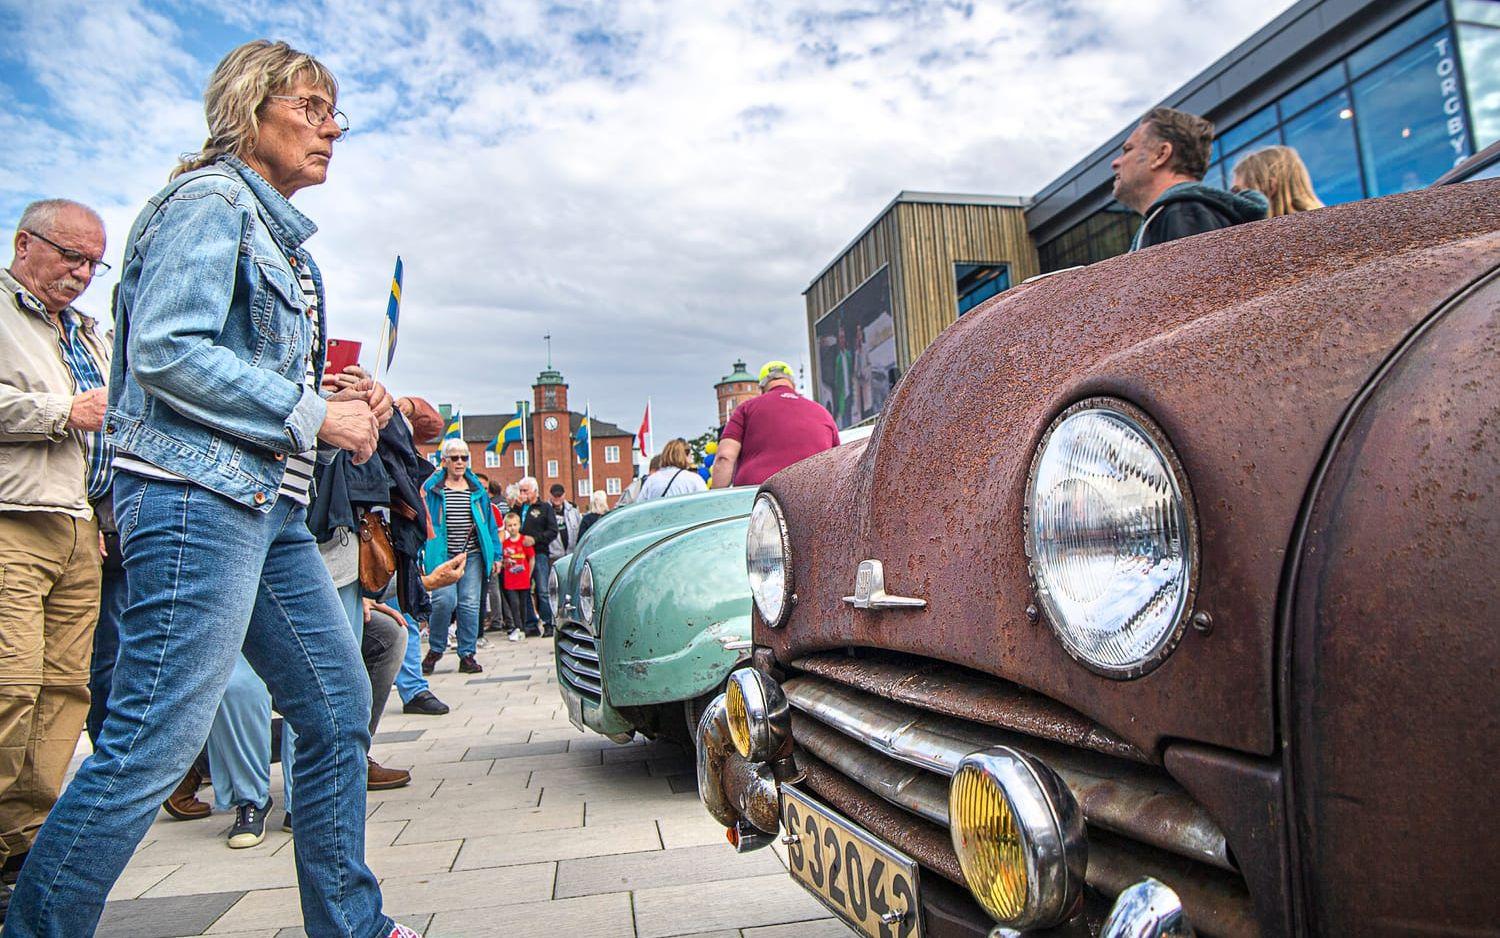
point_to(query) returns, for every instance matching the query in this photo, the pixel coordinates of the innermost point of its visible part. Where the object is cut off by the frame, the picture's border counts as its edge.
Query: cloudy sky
(653, 184)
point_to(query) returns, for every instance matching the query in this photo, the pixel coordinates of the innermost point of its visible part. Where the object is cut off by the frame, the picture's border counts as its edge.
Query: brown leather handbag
(377, 558)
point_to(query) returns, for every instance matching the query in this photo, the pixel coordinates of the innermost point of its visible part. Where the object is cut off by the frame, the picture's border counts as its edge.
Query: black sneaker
(249, 825)
(426, 703)
(467, 665)
(548, 632)
(286, 822)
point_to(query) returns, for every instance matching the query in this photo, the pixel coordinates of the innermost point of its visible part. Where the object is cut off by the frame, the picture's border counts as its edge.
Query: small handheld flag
(393, 314)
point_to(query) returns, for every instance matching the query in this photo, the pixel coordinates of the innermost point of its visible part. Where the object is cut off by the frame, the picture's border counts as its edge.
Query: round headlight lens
(768, 560)
(554, 590)
(1019, 838)
(1112, 538)
(586, 594)
(738, 718)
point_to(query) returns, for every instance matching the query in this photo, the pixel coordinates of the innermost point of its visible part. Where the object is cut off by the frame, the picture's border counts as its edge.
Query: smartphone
(341, 354)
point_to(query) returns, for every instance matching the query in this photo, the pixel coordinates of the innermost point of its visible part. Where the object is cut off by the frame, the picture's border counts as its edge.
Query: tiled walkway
(515, 824)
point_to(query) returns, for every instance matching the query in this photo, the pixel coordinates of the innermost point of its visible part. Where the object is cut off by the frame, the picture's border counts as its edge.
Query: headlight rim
(1141, 421)
(766, 710)
(787, 591)
(586, 600)
(554, 590)
(1056, 846)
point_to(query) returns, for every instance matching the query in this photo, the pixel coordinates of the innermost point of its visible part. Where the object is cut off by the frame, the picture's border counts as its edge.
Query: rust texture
(1216, 902)
(970, 695)
(1245, 346)
(1395, 648)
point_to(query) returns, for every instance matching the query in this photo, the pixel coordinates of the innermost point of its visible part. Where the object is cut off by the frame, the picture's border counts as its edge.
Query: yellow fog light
(1019, 838)
(755, 707)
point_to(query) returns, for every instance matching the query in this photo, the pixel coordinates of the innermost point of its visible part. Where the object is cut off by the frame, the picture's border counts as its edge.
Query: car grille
(895, 727)
(578, 660)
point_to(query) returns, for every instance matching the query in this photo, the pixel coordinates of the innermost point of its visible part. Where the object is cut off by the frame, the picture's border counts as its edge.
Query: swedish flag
(582, 439)
(455, 429)
(393, 314)
(510, 433)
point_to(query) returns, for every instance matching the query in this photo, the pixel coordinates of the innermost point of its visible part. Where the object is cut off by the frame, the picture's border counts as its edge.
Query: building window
(611, 454)
(978, 282)
(549, 398)
(520, 458)
(612, 486)
(1410, 117)
(1323, 136)
(585, 488)
(435, 458)
(551, 468)
(1478, 44)
(491, 459)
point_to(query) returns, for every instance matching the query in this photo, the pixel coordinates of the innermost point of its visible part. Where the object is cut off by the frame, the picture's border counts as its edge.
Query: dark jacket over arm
(540, 523)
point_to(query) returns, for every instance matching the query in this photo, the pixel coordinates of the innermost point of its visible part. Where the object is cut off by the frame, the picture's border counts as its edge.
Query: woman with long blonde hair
(1279, 174)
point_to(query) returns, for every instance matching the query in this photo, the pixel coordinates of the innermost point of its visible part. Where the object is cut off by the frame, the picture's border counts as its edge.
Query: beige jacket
(43, 466)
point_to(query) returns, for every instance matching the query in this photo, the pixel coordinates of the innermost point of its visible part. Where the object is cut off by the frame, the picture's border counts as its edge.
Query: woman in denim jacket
(216, 415)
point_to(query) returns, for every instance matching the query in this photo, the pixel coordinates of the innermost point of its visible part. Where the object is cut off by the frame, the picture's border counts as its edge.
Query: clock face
(550, 423)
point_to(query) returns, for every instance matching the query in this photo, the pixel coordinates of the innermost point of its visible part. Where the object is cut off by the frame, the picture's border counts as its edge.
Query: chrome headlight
(768, 560)
(1112, 537)
(759, 717)
(586, 594)
(1019, 838)
(554, 590)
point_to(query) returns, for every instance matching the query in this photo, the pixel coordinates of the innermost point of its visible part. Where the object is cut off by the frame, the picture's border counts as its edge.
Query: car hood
(1245, 346)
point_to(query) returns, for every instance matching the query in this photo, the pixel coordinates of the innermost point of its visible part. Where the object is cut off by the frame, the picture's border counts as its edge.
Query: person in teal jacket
(463, 522)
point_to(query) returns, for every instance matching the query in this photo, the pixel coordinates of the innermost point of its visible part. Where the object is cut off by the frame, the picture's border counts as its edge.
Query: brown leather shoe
(382, 778)
(183, 803)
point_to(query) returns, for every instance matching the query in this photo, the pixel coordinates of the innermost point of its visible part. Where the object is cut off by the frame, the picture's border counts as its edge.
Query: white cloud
(652, 184)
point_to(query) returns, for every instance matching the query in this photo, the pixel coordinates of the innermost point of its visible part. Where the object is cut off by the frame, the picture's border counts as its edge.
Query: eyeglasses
(459, 458)
(316, 110)
(70, 257)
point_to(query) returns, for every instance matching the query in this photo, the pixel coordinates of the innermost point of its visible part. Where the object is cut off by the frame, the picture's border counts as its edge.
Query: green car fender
(677, 616)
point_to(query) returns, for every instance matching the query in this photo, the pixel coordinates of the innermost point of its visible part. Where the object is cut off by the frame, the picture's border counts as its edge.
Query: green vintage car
(653, 612)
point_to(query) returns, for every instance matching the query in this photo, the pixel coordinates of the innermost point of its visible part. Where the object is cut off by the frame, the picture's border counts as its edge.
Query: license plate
(866, 883)
(575, 711)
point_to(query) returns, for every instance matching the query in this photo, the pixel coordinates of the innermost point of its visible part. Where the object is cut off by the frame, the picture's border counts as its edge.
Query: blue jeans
(106, 648)
(206, 578)
(539, 572)
(465, 596)
(239, 745)
(410, 682)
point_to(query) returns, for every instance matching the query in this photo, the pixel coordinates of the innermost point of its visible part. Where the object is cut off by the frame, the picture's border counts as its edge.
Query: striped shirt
(86, 376)
(296, 484)
(458, 516)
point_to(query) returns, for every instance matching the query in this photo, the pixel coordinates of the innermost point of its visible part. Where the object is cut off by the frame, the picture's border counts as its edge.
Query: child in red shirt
(516, 559)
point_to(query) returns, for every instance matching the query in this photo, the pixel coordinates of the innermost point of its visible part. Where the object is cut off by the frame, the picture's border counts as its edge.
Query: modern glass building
(1377, 97)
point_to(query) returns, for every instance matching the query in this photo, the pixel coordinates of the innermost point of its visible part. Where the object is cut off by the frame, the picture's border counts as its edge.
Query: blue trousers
(464, 597)
(207, 577)
(410, 681)
(106, 649)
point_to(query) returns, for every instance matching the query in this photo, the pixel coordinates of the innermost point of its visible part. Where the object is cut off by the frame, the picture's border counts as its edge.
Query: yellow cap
(768, 367)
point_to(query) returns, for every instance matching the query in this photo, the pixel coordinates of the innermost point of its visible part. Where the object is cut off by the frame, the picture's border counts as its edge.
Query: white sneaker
(401, 931)
(515, 635)
(482, 642)
(453, 642)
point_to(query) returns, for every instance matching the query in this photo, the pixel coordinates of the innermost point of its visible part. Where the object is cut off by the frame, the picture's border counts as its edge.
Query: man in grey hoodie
(1159, 173)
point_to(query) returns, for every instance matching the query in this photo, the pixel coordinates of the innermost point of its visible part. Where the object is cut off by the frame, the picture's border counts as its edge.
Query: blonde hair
(454, 445)
(237, 89)
(1281, 176)
(599, 502)
(677, 454)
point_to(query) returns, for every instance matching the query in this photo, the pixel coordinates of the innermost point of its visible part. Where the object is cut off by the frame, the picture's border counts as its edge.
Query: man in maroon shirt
(768, 433)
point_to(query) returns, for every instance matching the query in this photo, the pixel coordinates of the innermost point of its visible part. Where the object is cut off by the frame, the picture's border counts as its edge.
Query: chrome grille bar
(1114, 795)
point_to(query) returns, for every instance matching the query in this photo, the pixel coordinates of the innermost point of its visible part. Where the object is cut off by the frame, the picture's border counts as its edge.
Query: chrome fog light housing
(758, 715)
(768, 560)
(586, 594)
(1148, 909)
(1019, 837)
(1112, 537)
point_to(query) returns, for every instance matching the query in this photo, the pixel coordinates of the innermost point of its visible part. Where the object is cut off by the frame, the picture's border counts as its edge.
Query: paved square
(515, 822)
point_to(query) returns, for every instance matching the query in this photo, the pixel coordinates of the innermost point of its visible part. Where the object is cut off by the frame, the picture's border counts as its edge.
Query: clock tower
(551, 427)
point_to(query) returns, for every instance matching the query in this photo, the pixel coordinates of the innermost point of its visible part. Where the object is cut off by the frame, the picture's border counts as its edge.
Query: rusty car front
(1166, 580)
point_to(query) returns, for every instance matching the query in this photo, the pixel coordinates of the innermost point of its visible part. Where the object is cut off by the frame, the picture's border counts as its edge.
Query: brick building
(734, 389)
(549, 448)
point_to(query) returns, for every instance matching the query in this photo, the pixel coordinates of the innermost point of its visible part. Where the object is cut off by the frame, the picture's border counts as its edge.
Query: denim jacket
(212, 335)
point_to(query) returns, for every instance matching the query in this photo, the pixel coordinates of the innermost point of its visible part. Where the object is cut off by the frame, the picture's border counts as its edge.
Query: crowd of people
(198, 525)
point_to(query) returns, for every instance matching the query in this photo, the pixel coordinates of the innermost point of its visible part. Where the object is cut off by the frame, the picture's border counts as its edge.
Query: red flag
(640, 437)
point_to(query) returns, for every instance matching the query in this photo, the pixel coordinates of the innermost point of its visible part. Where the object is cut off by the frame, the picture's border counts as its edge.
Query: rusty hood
(1245, 346)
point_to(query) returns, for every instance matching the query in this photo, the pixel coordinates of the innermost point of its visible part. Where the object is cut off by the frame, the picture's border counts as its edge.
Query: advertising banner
(856, 351)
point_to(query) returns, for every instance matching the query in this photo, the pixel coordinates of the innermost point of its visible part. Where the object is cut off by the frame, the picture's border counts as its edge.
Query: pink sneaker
(401, 931)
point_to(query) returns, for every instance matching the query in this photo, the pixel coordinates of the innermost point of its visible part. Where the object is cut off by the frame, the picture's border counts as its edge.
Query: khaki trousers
(49, 603)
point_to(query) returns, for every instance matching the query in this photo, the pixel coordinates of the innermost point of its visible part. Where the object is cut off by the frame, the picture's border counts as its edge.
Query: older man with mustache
(53, 467)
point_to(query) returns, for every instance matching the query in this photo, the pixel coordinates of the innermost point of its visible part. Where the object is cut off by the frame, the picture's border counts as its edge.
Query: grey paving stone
(595, 916)
(397, 736)
(517, 750)
(630, 871)
(164, 918)
(418, 922)
(682, 784)
(740, 903)
(503, 679)
(823, 928)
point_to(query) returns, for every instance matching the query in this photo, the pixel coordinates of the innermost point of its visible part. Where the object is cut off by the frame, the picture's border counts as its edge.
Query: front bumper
(745, 796)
